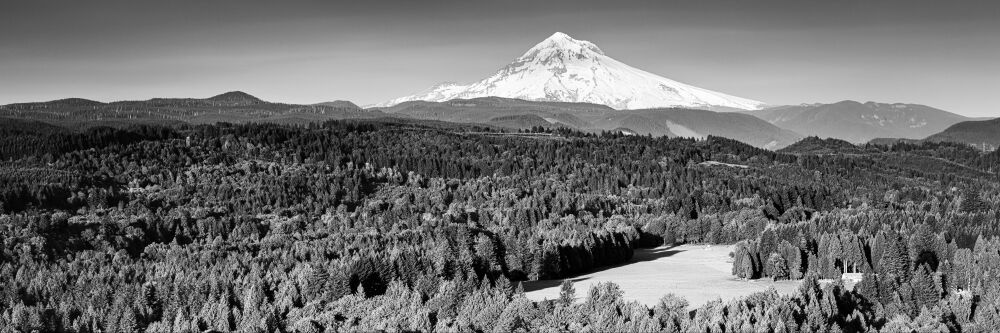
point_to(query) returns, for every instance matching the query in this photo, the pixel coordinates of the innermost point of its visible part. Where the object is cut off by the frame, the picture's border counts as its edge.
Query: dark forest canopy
(394, 225)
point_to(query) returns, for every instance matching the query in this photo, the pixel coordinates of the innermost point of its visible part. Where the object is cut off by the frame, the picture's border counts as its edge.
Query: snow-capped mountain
(563, 69)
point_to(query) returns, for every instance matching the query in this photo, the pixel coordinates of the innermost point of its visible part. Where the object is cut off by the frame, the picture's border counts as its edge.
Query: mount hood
(564, 69)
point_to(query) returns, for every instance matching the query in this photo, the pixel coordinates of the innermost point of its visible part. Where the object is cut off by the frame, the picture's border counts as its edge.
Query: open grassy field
(699, 273)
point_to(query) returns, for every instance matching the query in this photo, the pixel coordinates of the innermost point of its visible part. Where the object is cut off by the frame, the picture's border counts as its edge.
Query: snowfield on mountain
(563, 69)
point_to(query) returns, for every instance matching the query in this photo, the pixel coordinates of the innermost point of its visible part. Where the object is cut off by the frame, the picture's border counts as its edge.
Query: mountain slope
(595, 118)
(481, 110)
(701, 123)
(564, 69)
(984, 134)
(856, 122)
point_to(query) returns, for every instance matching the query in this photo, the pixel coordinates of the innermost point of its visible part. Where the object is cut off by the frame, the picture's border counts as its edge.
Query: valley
(566, 192)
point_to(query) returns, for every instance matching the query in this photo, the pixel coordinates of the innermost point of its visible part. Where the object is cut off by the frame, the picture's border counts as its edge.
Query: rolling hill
(340, 104)
(816, 146)
(861, 122)
(238, 107)
(234, 107)
(669, 122)
(984, 134)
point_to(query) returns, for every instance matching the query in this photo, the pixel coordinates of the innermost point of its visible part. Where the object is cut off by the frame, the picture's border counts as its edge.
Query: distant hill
(239, 107)
(482, 110)
(984, 134)
(624, 131)
(700, 124)
(668, 122)
(569, 120)
(236, 98)
(25, 125)
(892, 141)
(860, 122)
(641, 125)
(234, 107)
(340, 104)
(521, 121)
(815, 146)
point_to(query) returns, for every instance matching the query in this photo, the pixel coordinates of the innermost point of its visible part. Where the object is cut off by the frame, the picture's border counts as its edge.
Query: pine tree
(567, 294)
(923, 247)
(743, 265)
(925, 291)
(868, 287)
(895, 260)
(672, 312)
(971, 201)
(777, 267)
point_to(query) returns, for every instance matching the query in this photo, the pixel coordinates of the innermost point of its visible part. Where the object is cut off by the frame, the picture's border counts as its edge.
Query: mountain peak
(559, 35)
(564, 69)
(562, 46)
(445, 84)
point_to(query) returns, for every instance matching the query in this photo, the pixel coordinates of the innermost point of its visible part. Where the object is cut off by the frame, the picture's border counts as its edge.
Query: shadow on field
(640, 255)
(652, 254)
(530, 286)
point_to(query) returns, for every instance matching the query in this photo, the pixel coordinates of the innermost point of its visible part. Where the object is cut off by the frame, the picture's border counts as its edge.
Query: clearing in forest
(699, 273)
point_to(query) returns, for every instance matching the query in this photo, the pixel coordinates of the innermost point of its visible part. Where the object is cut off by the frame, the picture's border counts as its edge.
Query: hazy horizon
(780, 52)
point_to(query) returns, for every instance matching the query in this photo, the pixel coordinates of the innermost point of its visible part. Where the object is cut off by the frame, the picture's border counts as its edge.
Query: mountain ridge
(984, 134)
(234, 107)
(858, 122)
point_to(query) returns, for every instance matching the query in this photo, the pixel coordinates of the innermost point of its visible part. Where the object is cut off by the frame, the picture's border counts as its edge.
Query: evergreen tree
(777, 268)
(567, 294)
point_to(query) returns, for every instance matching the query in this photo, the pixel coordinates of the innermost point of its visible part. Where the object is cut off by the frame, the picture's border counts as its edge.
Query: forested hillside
(232, 107)
(671, 122)
(983, 134)
(394, 225)
(861, 122)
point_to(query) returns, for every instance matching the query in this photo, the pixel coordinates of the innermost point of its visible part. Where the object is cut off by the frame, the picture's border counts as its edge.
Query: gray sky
(940, 53)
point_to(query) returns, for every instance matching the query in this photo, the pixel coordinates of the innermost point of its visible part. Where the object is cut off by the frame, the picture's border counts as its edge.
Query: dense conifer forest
(390, 225)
